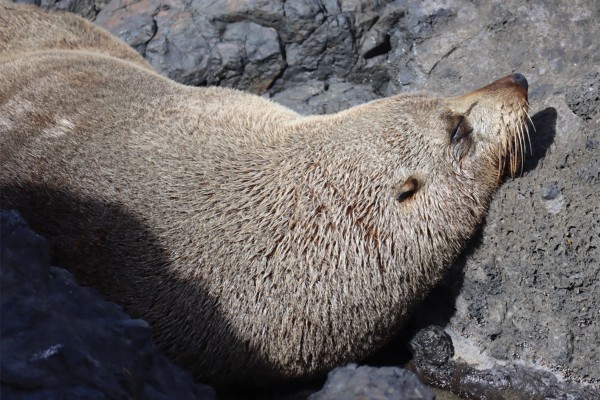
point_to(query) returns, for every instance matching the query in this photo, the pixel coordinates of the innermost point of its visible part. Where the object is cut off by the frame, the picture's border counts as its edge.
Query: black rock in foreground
(62, 341)
(433, 349)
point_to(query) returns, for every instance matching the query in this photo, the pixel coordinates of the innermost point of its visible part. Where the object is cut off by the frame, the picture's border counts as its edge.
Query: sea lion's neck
(363, 165)
(346, 124)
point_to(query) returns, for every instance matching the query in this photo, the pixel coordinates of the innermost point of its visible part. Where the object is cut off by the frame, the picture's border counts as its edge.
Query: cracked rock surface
(527, 290)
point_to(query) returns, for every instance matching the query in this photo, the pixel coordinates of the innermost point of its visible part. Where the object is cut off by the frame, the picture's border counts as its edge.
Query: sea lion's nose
(520, 80)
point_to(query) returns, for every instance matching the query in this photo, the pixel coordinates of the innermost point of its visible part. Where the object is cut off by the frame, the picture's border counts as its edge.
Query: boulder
(63, 341)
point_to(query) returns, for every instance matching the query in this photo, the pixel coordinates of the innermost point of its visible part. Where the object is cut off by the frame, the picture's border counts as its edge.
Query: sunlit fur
(259, 244)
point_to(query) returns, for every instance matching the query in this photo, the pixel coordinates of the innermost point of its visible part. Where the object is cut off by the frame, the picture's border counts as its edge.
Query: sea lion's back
(25, 29)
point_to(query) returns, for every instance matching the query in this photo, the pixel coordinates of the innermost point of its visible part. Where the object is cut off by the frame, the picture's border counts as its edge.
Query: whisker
(527, 130)
(521, 130)
(505, 138)
(528, 116)
(521, 146)
(500, 161)
(515, 136)
(514, 152)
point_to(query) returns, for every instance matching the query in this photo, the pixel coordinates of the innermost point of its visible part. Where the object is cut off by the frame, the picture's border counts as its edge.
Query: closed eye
(461, 130)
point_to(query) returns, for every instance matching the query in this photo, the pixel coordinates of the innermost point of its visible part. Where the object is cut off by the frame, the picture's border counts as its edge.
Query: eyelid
(461, 130)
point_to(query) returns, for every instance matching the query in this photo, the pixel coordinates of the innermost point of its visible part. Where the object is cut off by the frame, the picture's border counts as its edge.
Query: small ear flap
(407, 189)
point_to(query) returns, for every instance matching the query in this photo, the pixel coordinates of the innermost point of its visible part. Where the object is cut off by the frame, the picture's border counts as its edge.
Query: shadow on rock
(61, 340)
(542, 131)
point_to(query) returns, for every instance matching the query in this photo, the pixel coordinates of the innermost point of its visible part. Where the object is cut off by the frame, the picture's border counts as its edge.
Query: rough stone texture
(62, 341)
(583, 98)
(432, 350)
(432, 345)
(528, 289)
(86, 8)
(354, 383)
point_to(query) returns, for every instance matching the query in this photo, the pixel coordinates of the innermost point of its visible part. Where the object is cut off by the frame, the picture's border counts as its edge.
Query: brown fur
(28, 27)
(259, 244)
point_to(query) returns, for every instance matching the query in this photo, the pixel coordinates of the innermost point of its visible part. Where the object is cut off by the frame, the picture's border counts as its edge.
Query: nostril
(520, 80)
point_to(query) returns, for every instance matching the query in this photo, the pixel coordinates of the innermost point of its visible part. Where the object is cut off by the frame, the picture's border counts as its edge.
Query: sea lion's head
(476, 136)
(491, 120)
(381, 199)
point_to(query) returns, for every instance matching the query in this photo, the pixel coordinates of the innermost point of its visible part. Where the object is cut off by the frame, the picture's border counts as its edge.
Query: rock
(203, 42)
(60, 340)
(471, 379)
(86, 8)
(432, 345)
(584, 98)
(353, 383)
(266, 47)
(324, 97)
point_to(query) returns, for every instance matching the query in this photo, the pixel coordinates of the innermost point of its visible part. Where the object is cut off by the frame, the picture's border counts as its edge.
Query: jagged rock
(86, 8)
(270, 47)
(584, 97)
(432, 348)
(388, 383)
(432, 345)
(60, 340)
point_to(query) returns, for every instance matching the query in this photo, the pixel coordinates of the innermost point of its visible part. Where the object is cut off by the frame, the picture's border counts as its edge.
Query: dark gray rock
(267, 47)
(432, 345)
(584, 98)
(86, 8)
(202, 42)
(353, 383)
(62, 341)
(432, 350)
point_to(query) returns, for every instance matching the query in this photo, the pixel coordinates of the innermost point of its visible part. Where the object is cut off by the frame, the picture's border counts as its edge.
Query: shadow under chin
(542, 130)
(437, 308)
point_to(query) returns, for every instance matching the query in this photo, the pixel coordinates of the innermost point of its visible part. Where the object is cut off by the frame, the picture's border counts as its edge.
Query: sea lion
(260, 245)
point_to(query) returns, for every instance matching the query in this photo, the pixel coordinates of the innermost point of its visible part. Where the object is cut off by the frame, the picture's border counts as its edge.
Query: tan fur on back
(28, 27)
(259, 244)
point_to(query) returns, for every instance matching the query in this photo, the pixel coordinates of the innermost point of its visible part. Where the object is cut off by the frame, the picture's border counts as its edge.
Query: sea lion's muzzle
(507, 81)
(515, 85)
(520, 80)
